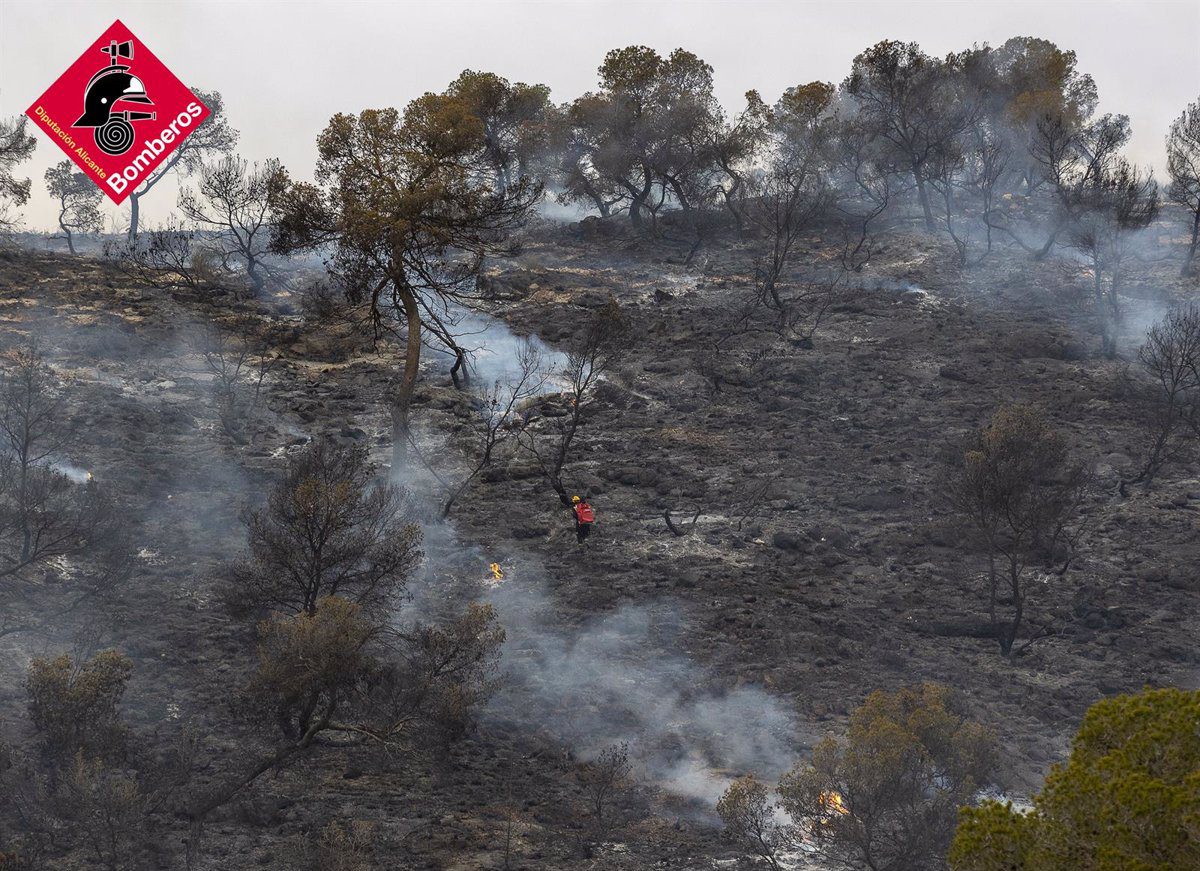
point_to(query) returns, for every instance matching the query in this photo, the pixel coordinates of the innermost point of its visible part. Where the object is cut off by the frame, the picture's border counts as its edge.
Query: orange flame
(832, 802)
(497, 572)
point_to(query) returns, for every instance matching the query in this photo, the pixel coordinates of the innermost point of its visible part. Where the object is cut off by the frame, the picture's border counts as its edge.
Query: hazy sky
(286, 67)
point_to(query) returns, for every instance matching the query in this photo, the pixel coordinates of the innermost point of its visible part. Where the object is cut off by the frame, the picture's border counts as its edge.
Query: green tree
(1127, 799)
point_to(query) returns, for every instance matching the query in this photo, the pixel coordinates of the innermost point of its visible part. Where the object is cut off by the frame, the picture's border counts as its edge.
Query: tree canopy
(1127, 798)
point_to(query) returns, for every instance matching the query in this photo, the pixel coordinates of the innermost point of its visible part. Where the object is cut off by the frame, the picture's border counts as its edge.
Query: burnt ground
(822, 564)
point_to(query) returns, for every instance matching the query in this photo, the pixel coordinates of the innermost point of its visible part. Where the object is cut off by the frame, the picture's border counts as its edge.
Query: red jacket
(584, 513)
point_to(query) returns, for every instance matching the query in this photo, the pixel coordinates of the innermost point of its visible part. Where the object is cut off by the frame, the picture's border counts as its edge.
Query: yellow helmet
(576, 499)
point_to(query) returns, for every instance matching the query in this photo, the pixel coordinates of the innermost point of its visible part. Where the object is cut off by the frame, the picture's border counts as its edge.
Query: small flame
(75, 473)
(833, 803)
(497, 572)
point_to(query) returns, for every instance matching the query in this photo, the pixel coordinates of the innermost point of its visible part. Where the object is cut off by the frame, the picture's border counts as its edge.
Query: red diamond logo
(118, 112)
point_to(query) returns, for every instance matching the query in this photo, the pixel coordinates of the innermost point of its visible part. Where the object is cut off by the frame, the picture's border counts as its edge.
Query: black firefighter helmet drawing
(110, 86)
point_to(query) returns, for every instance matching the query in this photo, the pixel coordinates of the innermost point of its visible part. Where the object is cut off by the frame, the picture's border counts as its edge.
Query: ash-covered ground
(818, 560)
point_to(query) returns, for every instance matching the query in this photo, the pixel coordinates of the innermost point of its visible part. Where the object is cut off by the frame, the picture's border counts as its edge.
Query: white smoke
(494, 350)
(618, 677)
(622, 677)
(613, 678)
(76, 473)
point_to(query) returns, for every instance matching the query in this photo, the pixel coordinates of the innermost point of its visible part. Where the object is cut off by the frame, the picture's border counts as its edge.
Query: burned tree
(214, 137)
(603, 779)
(336, 670)
(1183, 166)
(1017, 491)
(794, 191)
(1111, 208)
(1169, 399)
(78, 201)
(231, 201)
(498, 412)
(549, 441)
(170, 258)
(968, 171)
(311, 664)
(1033, 81)
(792, 195)
(446, 670)
(73, 704)
(572, 142)
(410, 207)
(869, 183)
(239, 359)
(1073, 160)
(44, 514)
(328, 529)
(912, 102)
(331, 551)
(513, 116)
(644, 135)
(346, 847)
(735, 148)
(887, 796)
(1020, 156)
(16, 146)
(748, 813)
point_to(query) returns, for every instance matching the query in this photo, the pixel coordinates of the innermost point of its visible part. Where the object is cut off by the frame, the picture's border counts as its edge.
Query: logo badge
(118, 112)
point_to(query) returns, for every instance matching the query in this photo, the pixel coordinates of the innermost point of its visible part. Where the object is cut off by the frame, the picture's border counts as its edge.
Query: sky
(285, 67)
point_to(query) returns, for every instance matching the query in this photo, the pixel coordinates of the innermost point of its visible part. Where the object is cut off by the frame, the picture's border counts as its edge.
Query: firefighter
(585, 516)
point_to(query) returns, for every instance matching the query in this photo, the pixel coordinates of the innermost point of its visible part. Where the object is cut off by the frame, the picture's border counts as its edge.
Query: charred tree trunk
(993, 584)
(133, 215)
(1191, 252)
(1106, 311)
(732, 199)
(635, 213)
(402, 397)
(459, 373)
(1014, 625)
(637, 201)
(1041, 253)
(254, 274)
(923, 196)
